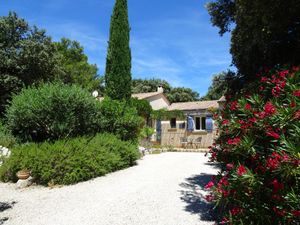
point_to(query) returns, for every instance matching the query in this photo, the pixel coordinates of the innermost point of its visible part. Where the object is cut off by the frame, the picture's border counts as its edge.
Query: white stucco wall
(158, 102)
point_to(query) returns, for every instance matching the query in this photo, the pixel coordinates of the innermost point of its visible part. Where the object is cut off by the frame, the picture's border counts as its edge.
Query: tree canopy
(27, 56)
(264, 33)
(118, 61)
(219, 85)
(75, 66)
(174, 94)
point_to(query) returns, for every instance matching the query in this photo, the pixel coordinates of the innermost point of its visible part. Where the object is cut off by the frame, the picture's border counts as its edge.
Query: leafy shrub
(119, 118)
(6, 138)
(51, 112)
(259, 152)
(143, 107)
(71, 161)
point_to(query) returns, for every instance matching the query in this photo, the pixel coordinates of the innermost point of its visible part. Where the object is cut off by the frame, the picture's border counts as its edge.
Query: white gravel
(164, 189)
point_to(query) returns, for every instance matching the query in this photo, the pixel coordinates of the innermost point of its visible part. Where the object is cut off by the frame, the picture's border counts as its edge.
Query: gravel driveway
(162, 189)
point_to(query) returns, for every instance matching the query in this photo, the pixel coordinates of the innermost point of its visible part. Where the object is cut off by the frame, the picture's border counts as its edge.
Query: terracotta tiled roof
(140, 95)
(145, 95)
(193, 105)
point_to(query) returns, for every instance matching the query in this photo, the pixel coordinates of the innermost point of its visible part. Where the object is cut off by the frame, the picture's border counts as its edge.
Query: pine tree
(118, 61)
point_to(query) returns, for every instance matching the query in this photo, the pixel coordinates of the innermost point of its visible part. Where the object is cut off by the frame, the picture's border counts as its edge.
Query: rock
(4, 151)
(24, 183)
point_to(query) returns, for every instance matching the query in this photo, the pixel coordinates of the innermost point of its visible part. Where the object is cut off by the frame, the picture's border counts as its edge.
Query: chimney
(160, 89)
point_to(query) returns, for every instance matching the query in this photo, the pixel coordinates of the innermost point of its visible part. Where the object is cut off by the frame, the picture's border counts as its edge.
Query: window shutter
(209, 124)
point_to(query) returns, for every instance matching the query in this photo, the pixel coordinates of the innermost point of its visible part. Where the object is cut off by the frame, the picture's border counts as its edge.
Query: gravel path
(162, 189)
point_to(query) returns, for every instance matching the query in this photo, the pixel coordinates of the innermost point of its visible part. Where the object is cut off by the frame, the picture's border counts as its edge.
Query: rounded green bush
(120, 118)
(70, 161)
(51, 112)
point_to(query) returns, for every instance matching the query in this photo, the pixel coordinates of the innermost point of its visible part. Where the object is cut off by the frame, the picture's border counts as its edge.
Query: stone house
(196, 130)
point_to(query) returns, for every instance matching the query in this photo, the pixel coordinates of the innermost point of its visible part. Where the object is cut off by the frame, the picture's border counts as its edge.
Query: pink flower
(248, 106)
(293, 105)
(241, 170)
(234, 141)
(270, 109)
(277, 186)
(297, 93)
(253, 120)
(295, 212)
(271, 133)
(209, 198)
(297, 115)
(229, 166)
(233, 105)
(279, 212)
(236, 210)
(225, 122)
(209, 185)
(264, 79)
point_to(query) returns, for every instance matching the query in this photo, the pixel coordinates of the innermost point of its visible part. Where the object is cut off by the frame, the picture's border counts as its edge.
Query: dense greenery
(6, 138)
(219, 86)
(27, 56)
(264, 33)
(118, 61)
(70, 161)
(258, 150)
(143, 107)
(178, 94)
(53, 111)
(120, 118)
(75, 68)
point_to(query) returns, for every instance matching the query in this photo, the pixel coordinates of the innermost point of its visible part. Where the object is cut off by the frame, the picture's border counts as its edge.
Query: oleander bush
(51, 112)
(259, 152)
(70, 161)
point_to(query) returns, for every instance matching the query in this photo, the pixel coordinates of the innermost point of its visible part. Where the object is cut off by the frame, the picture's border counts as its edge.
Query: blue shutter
(209, 124)
(190, 123)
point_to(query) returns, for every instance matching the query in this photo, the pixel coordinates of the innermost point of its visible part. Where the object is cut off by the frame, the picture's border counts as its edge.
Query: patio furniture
(184, 142)
(190, 142)
(197, 142)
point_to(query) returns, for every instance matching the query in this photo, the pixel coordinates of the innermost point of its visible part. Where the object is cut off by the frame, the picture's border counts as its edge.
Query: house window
(173, 123)
(200, 123)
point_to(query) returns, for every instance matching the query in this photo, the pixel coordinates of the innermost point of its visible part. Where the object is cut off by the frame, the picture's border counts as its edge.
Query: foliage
(166, 114)
(119, 118)
(219, 86)
(181, 94)
(27, 56)
(147, 132)
(149, 85)
(264, 34)
(143, 107)
(75, 67)
(52, 111)
(178, 94)
(6, 138)
(258, 149)
(118, 61)
(70, 161)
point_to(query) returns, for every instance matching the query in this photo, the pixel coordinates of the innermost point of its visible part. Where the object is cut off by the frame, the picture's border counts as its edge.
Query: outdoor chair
(183, 142)
(197, 142)
(190, 142)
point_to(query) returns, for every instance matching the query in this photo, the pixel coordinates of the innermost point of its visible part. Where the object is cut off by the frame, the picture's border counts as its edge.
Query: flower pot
(23, 174)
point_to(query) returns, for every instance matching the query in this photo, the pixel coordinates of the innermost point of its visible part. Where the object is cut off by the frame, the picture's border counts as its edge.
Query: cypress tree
(118, 61)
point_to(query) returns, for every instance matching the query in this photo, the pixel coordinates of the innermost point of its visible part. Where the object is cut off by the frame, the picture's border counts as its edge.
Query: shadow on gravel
(4, 206)
(193, 194)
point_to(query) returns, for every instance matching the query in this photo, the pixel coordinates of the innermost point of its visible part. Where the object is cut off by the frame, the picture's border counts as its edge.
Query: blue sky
(171, 40)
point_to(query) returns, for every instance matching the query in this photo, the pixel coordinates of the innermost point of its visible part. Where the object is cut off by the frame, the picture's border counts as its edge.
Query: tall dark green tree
(118, 61)
(264, 33)
(27, 56)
